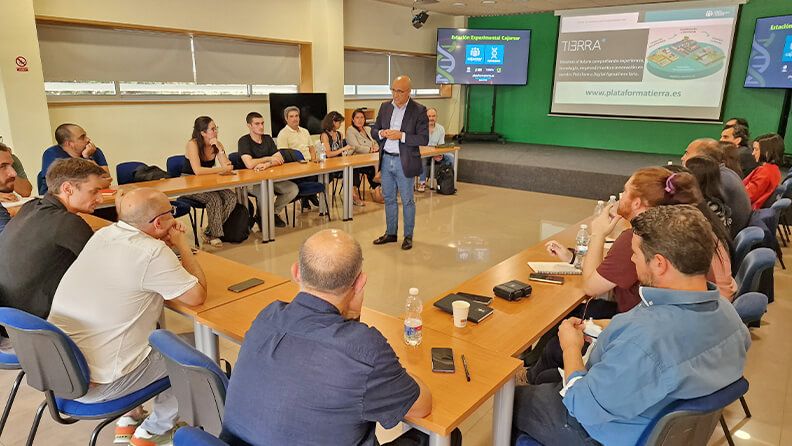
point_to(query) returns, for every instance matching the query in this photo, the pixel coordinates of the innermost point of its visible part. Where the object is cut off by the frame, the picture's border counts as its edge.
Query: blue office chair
(10, 362)
(192, 436)
(780, 207)
(55, 366)
(198, 383)
(307, 188)
(691, 422)
(751, 268)
(688, 422)
(745, 241)
(124, 171)
(174, 165)
(769, 217)
(236, 161)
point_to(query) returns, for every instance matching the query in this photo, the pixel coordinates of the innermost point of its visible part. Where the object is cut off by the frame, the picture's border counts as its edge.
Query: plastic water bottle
(599, 208)
(581, 246)
(612, 200)
(321, 155)
(413, 324)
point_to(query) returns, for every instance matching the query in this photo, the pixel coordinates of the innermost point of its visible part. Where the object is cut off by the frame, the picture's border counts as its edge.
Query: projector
(419, 19)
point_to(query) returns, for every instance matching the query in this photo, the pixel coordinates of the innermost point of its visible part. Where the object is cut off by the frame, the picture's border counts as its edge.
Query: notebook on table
(554, 268)
(477, 313)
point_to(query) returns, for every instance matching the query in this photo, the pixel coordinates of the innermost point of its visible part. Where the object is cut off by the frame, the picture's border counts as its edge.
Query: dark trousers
(540, 413)
(551, 357)
(369, 173)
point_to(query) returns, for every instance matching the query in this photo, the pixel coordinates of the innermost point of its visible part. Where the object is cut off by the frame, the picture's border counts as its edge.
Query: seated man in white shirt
(295, 137)
(111, 298)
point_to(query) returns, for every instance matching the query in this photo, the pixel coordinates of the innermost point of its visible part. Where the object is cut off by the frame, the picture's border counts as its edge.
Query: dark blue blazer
(415, 126)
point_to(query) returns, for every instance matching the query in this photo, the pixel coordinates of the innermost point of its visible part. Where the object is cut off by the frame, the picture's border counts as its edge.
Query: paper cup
(461, 309)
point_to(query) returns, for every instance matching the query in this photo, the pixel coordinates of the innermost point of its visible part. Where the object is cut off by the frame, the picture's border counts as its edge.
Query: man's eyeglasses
(396, 90)
(171, 211)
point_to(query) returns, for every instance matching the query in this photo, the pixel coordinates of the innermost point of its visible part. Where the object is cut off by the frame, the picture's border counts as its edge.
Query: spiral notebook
(555, 268)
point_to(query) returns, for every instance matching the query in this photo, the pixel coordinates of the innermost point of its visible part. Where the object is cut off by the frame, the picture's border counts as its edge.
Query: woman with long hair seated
(707, 173)
(358, 137)
(206, 155)
(768, 150)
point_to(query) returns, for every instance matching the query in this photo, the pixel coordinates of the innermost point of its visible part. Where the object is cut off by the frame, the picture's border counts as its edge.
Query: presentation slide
(482, 56)
(668, 63)
(770, 65)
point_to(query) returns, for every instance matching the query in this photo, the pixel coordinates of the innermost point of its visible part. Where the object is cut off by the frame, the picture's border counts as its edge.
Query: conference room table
(514, 326)
(241, 179)
(454, 399)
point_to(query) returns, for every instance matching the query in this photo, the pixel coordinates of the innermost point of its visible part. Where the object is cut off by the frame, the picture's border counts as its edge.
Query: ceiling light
(488, 2)
(458, 4)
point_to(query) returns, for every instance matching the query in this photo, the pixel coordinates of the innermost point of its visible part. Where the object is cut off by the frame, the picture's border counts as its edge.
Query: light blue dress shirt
(392, 145)
(673, 345)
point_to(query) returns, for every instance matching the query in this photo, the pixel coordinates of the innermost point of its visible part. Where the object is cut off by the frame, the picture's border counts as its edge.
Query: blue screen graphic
(482, 56)
(770, 64)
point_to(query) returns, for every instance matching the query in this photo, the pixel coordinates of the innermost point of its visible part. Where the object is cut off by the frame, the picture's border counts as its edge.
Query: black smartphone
(547, 278)
(242, 286)
(443, 360)
(303, 162)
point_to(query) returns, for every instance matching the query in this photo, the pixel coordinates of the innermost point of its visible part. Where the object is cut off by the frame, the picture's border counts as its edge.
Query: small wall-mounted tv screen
(313, 108)
(482, 56)
(770, 64)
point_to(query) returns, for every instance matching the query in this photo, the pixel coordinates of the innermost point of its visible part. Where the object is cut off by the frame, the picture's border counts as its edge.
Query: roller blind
(72, 53)
(361, 68)
(233, 61)
(420, 69)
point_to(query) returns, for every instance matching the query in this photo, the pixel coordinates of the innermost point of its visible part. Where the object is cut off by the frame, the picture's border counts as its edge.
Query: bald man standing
(309, 373)
(111, 298)
(400, 129)
(734, 193)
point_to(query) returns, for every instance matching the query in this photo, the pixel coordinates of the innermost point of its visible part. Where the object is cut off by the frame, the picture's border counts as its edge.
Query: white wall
(150, 132)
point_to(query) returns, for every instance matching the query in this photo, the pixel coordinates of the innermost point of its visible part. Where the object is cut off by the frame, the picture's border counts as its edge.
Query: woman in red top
(762, 182)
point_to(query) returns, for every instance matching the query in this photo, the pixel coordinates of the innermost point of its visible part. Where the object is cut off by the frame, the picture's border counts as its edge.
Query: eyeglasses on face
(171, 211)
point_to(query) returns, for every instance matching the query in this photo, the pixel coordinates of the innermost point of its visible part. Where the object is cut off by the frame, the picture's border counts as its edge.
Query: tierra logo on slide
(581, 45)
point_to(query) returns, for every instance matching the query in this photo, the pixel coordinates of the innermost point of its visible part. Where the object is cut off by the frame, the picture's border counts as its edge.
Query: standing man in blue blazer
(401, 128)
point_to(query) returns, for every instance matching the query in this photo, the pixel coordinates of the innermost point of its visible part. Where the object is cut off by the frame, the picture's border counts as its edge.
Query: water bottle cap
(583, 226)
(600, 201)
(413, 291)
(613, 197)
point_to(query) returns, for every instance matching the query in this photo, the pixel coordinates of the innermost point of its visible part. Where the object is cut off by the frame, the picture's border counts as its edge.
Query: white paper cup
(461, 310)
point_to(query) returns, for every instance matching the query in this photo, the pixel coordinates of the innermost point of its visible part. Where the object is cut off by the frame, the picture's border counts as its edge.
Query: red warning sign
(21, 63)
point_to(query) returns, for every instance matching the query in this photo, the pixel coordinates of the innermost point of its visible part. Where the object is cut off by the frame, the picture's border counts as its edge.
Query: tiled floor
(455, 238)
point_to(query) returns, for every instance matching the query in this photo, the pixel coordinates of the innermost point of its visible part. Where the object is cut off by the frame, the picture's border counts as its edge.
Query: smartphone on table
(547, 278)
(242, 286)
(443, 360)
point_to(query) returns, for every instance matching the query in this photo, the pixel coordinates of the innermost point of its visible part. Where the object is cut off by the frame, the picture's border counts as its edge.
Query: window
(114, 63)
(370, 74)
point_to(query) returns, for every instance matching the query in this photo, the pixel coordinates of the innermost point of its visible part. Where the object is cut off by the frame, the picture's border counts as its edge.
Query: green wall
(521, 114)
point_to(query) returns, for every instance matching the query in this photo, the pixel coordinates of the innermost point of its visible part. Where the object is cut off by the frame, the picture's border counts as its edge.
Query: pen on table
(467, 372)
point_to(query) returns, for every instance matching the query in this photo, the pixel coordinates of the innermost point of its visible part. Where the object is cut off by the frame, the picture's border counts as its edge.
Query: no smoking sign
(21, 64)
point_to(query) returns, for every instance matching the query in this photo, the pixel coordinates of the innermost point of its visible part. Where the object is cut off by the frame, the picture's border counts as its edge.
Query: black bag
(148, 173)
(235, 228)
(444, 175)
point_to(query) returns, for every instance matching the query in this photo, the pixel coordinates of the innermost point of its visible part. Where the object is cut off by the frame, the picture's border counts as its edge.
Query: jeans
(393, 180)
(285, 192)
(448, 158)
(540, 413)
(165, 409)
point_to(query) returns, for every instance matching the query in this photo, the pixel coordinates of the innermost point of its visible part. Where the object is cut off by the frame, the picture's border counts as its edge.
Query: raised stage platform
(584, 173)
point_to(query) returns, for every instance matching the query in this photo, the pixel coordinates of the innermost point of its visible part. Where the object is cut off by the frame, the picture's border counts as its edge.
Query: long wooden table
(174, 187)
(454, 399)
(513, 326)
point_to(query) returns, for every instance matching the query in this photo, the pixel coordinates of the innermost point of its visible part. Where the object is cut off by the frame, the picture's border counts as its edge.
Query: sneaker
(421, 187)
(125, 427)
(216, 243)
(144, 438)
(279, 223)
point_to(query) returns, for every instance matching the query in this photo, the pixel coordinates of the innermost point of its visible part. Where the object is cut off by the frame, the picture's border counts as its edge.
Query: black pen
(467, 372)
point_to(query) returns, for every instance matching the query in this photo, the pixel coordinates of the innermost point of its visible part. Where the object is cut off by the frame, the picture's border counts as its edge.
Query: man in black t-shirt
(42, 241)
(259, 152)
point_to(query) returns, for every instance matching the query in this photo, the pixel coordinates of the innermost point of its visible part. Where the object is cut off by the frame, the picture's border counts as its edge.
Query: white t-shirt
(110, 299)
(299, 139)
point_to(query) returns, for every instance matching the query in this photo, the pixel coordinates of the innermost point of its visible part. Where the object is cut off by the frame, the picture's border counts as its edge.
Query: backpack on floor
(445, 180)
(235, 228)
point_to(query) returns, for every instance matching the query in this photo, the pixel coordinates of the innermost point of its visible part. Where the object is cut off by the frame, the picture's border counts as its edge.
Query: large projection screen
(654, 61)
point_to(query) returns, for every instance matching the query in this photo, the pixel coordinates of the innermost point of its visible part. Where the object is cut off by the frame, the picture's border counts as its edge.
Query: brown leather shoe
(387, 238)
(407, 243)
